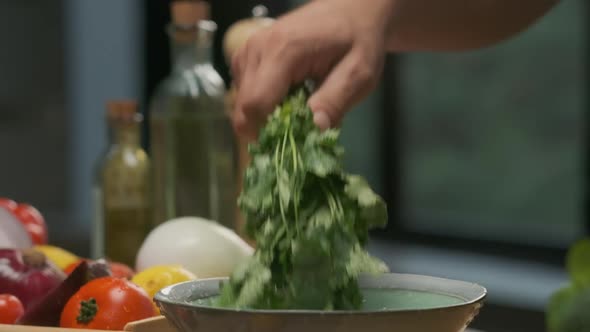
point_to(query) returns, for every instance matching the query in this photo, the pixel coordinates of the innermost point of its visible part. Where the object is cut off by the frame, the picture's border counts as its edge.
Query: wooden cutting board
(155, 324)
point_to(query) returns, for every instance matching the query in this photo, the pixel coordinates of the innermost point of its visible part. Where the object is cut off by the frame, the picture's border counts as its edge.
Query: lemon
(58, 256)
(157, 277)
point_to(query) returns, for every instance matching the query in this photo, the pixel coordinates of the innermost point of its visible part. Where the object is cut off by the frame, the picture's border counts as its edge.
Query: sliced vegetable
(28, 275)
(29, 217)
(47, 312)
(107, 303)
(8, 204)
(11, 309)
(33, 221)
(13, 234)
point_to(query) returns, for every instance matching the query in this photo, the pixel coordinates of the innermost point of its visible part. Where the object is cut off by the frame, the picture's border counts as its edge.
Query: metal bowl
(177, 303)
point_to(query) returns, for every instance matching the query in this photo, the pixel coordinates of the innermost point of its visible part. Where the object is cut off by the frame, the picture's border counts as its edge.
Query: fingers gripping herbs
(310, 219)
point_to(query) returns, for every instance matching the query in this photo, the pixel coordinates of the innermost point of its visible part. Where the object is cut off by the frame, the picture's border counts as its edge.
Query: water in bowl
(375, 299)
(403, 299)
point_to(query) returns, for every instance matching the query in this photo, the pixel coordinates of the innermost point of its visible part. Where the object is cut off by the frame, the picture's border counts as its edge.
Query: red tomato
(107, 303)
(11, 309)
(33, 221)
(8, 204)
(121, 270)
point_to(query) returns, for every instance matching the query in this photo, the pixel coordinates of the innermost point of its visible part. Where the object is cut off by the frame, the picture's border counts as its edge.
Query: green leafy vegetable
(578, 263)
(568, 307)
(568, 310)
(309, 218)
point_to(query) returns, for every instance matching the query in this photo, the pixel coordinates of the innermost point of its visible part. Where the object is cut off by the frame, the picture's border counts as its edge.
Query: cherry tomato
(107, 303)
(33, 221)
(11, 309)
(121, 270)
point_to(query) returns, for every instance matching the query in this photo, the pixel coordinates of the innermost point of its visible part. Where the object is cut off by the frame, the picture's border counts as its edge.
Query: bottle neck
(126, 135)
(186, 53)
(191, 45)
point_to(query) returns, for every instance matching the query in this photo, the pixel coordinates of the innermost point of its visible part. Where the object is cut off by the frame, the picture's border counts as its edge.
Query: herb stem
(296, 169)
(284, 143)
(281, 207)
(338, 201)
(331, 200)
(294, 150)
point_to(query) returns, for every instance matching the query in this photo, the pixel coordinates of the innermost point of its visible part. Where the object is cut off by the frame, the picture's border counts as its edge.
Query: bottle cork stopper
(124, 110)
(189, 12)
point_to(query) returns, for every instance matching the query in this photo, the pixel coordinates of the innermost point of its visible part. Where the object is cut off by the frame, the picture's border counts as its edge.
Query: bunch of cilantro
(309, 218)
(568, 309)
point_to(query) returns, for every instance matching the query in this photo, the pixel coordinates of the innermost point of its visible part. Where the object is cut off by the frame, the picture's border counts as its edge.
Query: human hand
(340, 44)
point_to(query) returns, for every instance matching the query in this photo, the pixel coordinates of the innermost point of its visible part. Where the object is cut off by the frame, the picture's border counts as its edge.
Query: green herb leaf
(321, 220)
(361, 262)
(373, 209)
(358, 189)
(253, 287)
(318, 161)
(311, 275)
(309, 218)
(285, 187)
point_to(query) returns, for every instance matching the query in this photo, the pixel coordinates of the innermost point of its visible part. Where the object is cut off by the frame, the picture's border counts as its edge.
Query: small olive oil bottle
(124, 185)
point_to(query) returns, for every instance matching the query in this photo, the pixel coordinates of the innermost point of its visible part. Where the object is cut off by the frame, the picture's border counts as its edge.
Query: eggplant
(47, 312)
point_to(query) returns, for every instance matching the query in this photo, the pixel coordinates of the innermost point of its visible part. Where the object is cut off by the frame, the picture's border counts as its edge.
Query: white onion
(12, 233)
(203, 247)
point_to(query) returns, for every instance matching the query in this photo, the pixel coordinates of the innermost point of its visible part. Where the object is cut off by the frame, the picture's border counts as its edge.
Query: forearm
(454, 25)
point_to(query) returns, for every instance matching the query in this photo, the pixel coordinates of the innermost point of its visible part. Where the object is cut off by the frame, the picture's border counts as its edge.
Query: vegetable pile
(309, 218)
(45, 285)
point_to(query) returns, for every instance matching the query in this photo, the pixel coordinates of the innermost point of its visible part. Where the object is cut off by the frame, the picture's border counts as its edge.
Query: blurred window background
(482, 156)
(494, 141)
